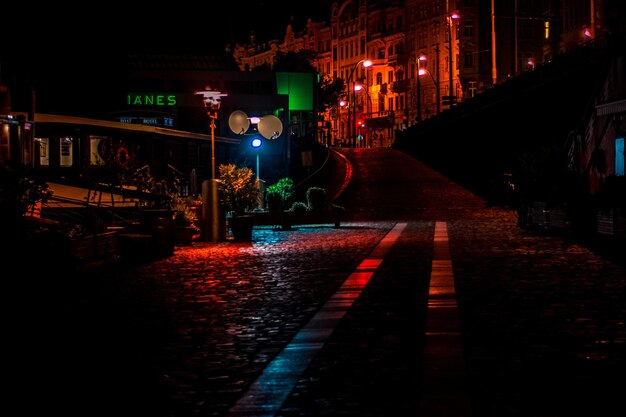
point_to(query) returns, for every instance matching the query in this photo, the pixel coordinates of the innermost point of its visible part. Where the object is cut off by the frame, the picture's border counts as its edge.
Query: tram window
(99, 148)
(66, 152)
(43, 151)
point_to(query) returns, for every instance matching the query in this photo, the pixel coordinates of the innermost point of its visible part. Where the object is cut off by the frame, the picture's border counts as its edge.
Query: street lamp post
(352, 112)
(256, 144)
(420, 59)
(450, 20)
(212, 219)
(419, 94)
(342, 104)
(357, 87)
(369, 110)
(421, 70)
(424, 71)
(438, 91)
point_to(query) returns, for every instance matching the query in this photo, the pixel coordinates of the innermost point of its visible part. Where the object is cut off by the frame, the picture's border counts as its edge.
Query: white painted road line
(444, 391)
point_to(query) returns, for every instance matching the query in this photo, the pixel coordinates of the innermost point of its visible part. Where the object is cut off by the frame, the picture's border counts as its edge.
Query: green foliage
(330, 91)
(238, 190)
(280, 195)
(316, 198)
(301, 61)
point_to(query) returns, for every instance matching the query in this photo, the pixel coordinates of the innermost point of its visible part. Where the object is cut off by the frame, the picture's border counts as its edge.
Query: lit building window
(546, 29)
(44, 151)
(67, 152)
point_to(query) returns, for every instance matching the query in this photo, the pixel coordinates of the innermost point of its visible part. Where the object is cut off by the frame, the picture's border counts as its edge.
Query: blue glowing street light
(256, 143)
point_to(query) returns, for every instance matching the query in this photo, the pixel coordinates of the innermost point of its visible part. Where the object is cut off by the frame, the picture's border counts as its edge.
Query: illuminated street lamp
(357, 88)
(212, 219)
(351, 128)
(423, 71)
(343, 104)
(256, 144)
(450, 19)
(420, 60)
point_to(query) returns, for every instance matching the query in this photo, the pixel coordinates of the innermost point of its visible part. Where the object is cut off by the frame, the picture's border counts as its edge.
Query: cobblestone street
(542, 317)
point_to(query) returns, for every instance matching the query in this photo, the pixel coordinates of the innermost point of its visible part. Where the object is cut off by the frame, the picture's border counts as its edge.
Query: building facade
(459, 48)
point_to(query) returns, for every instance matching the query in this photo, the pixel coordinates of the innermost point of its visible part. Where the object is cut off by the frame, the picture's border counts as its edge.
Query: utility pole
(494, 70)
(419, 90)
(437, 76)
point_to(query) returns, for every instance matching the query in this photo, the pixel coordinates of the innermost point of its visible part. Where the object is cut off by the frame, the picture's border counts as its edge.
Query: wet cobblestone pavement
(543, 318)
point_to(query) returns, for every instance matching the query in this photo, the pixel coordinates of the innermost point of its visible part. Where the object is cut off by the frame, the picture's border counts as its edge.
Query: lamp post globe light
(352, 112)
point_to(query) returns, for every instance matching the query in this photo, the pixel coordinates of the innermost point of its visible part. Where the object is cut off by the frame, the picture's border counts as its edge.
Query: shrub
(316, 198)
(280, 194)
(239, 191)
(299, 207)
(184, 215)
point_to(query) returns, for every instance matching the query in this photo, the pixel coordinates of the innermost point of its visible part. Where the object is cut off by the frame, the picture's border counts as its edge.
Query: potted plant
(185, 229)
(239, 194)
(279, 196)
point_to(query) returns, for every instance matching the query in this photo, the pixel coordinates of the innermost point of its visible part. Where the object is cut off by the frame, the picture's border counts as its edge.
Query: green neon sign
(151, 99)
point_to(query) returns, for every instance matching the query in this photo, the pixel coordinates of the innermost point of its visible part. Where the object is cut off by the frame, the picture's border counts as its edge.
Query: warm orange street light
(420, 59)
(351, 128)
(421, 71)
(450, 19)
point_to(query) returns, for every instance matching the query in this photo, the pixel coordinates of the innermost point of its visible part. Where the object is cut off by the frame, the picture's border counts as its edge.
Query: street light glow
(256, 142)
(352, 109)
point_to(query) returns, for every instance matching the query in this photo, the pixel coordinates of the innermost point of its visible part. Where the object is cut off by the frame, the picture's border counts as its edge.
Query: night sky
(60, 47)
(179, 25)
